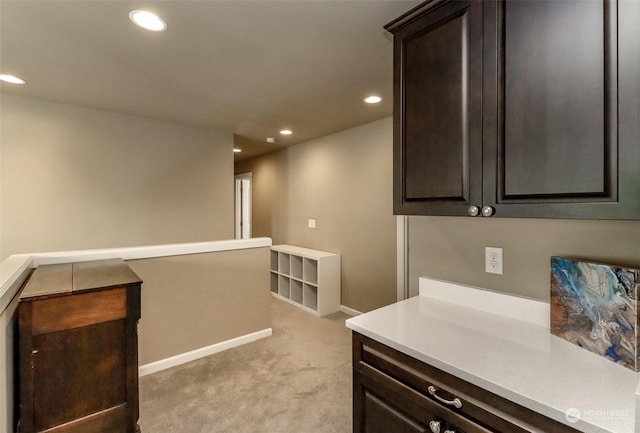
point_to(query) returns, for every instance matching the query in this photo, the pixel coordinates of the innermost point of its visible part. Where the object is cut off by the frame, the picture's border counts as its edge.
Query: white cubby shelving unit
(307, 278)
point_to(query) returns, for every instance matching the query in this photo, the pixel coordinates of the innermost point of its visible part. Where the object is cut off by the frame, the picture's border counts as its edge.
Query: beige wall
(197, 300)
(77, 178)
(453, 249)
(344, 182)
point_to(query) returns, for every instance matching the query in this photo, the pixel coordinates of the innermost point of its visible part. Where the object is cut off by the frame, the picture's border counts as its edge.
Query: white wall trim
(349, 311)
(148, 252)
(13, 270)
(402, 255)
(183, 358)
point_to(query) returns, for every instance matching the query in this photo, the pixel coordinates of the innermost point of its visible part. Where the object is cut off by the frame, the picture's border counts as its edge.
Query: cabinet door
(437, 109)
(380, 416)
(551, 123)
(80, 379)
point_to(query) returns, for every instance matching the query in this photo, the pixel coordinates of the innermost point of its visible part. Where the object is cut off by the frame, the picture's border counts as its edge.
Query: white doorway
(243, 206)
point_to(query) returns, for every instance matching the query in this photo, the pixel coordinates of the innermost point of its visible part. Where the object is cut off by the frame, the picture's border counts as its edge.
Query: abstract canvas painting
(595, 306)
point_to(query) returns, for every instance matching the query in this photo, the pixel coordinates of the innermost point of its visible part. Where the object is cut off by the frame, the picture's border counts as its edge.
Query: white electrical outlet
(493, 260)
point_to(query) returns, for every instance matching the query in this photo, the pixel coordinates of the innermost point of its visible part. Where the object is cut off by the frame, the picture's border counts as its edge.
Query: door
(243, 206)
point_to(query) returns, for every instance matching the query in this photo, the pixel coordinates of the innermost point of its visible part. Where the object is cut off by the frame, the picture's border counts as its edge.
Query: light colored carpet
(296, 381)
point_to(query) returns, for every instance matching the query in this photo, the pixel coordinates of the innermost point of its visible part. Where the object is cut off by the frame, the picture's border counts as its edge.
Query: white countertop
(517, 360)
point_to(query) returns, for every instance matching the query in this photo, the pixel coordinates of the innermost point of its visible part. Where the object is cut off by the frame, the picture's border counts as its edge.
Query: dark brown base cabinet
(395, 393)
(78, 349)
(517, 108)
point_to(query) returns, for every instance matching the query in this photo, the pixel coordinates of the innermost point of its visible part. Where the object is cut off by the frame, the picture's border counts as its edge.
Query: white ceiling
(249, 68)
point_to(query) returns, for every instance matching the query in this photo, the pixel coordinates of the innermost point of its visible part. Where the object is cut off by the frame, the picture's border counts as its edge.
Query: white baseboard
(183, 358)
(349, 311)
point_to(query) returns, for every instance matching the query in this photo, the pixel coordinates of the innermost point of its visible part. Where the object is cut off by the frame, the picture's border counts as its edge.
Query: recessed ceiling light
(237, 150)
(372, 99)
(286, 132)
(270, 140)
(11, 79)
(148, 20)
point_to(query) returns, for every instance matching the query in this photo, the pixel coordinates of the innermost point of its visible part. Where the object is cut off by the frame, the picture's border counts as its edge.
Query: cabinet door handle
(473, 211)
(487, 211)
(434, 426)
(455, 402)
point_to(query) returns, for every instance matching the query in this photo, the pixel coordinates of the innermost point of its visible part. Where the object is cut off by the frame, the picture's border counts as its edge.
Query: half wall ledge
(14, 267)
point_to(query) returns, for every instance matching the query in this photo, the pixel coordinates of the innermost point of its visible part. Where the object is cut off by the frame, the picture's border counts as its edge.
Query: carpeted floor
(296, 381)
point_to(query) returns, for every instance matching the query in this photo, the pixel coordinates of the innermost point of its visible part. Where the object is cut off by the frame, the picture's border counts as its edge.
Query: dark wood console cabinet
(393, 393)
(78, 349)
(517, 108)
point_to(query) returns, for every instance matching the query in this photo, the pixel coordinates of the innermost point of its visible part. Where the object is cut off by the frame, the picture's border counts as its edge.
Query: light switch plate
(312, 223)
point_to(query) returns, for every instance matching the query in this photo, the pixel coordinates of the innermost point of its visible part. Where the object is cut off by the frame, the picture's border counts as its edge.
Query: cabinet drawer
(386, 405)
(85, 309)
(485, 408)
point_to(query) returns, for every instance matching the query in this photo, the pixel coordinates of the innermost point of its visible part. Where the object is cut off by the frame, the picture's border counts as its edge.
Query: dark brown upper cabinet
(518, 109)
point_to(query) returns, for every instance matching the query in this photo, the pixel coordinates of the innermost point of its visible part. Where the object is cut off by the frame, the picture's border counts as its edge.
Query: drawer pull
(455, 402)
(434, 426)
